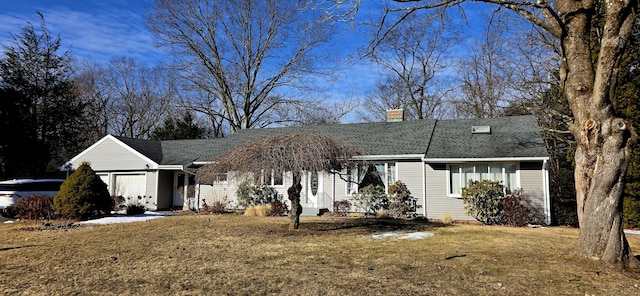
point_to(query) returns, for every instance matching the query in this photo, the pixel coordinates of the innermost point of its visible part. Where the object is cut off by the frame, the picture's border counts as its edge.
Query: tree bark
(604, 141)
(294, 197)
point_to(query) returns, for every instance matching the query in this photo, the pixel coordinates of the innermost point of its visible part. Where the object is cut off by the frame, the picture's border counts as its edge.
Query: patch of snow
(126, 219)
(629, 231)
(402, 235)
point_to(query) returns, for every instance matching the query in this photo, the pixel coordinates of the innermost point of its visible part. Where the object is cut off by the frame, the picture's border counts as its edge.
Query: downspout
(333, 190)
(424, 170)
(547, 200)
(424, 187)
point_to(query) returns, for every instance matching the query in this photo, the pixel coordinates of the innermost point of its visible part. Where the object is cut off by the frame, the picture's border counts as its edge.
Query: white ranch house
(434, 158)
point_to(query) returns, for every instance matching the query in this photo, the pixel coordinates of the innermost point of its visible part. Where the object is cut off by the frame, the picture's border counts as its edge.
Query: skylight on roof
(481, 129)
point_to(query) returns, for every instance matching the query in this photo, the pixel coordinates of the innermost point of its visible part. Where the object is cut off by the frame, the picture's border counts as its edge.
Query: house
(434, 158)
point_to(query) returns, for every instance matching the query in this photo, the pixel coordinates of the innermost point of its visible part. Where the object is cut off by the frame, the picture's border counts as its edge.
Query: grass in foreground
(230, 254)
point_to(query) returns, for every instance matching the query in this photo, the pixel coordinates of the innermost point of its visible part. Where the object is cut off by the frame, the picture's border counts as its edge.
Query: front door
(183, 190)
(313, 189)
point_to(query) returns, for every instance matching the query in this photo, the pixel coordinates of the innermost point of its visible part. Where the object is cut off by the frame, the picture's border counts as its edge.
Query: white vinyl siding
(410, 173)
(111, 156)
(439, 203)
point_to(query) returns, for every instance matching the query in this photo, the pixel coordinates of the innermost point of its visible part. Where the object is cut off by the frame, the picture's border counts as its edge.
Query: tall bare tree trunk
(294, 197)
(605, 142)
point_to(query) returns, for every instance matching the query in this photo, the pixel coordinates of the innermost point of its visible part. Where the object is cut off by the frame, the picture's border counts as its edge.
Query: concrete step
(311, 212)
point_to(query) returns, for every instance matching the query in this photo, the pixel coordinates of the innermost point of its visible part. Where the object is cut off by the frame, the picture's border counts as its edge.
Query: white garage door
(130, 185)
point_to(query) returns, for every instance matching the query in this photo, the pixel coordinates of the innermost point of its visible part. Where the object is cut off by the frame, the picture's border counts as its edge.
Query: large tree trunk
(294, 197)
(602, 157)
(604, 141)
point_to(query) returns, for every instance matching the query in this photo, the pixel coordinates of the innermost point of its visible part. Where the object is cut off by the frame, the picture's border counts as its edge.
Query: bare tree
(486, 80)
(604, 140)
(96, 103)
(129, 99)
(412, 53)
(294, 152)
(318, 112)
(241, 52)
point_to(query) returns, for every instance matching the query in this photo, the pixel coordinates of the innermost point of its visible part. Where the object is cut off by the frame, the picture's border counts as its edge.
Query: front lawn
(231, 254)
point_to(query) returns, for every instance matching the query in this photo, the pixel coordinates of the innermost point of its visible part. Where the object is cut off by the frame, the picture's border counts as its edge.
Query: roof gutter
(388, 157)
(450, 160)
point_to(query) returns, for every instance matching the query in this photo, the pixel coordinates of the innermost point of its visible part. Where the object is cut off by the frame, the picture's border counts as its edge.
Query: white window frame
(516, 183)
(272, 181)
(220, 180)
(359, 170)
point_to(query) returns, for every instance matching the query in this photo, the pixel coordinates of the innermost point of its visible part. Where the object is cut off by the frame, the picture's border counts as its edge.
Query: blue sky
(100, 30)
(96, 30)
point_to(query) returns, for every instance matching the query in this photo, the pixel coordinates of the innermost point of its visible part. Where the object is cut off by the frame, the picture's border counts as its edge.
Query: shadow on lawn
(371, 225)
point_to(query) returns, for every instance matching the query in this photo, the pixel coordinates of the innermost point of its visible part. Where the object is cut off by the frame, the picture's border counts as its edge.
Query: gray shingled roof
(516, 136)
(379, 138)
(149, 148)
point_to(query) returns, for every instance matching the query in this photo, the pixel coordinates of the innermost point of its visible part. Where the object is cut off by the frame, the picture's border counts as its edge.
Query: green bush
(371, 199)
(483, 201)
(83, 195)
(35, 207)
(250, 195)
(631, 213)
(401, 203)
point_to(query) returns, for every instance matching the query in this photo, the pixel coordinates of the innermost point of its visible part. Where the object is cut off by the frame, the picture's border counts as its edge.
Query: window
(220, 178)
(386, 171)
(277, 179)
(461, 174)
(314, 183)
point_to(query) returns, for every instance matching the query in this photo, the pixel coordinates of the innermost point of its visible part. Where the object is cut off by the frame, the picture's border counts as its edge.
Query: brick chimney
(395, 115)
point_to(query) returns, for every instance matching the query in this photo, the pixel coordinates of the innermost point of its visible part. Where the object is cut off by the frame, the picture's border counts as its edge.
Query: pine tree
(39, 104)
(83, 195)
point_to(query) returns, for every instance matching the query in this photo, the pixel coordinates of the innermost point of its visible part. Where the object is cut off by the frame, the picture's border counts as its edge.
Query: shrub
(258, 211)
(83, 195)
(517, 209)
(119, 203)
(566, 213)
(250, 211)
(447, 219)
(34, 207)
(135, 209)
(218, 207)
(341, 207)
(483, 201)
(401, 203)
(631, 212)
(250, 195)
(371, 199)
(278, 208)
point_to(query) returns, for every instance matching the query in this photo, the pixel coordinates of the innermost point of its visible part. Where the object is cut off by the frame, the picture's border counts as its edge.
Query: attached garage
(129, 185)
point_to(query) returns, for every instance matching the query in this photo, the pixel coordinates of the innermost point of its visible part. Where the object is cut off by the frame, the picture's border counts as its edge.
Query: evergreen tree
(83, 195)
(40, 111)
(176, 129)
(628, 96)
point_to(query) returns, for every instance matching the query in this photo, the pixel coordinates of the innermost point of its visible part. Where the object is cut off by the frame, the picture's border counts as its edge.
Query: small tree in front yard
(296, 152)
(83, 195)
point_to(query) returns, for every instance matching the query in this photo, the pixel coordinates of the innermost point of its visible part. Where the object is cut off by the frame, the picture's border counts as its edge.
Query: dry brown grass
(234, 254)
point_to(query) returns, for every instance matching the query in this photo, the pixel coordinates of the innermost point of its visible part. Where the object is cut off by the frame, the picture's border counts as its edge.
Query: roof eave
(486, 159)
